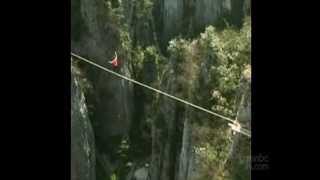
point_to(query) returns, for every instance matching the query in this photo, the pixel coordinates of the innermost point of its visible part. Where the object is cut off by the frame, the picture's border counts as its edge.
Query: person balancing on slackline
(114, 61)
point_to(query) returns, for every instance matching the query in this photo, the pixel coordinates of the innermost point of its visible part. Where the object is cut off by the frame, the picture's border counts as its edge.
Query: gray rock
(181, 17)
(82, 137)
(111, 97)
(141, 174)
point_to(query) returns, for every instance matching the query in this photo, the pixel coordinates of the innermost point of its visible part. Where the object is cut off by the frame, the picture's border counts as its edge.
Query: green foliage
(185, 60)
(113, 177)
(230, 52)
(144, 8)
(125, 42)
(142, 56)
(226, 57)
(177, 48)
(113, 14)
(211, 150)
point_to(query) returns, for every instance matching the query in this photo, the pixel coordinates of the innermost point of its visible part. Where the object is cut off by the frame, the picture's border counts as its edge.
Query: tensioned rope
(242, 130)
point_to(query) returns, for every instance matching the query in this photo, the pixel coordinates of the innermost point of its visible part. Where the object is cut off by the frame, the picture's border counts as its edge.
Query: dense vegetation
(211, 69)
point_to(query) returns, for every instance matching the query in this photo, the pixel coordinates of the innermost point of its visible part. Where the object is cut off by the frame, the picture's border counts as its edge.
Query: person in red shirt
(114, 62)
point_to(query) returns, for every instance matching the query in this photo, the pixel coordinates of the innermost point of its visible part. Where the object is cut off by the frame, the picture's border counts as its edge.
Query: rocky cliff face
(172, 148)
(116, 111)
(96, 36)
(82, 137)
(164, 139)
(111, 97)
(187, 169)
(238, 141)
(189, 17)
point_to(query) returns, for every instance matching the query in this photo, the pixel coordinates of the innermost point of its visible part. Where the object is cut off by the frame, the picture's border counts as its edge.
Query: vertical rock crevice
(82, 135)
